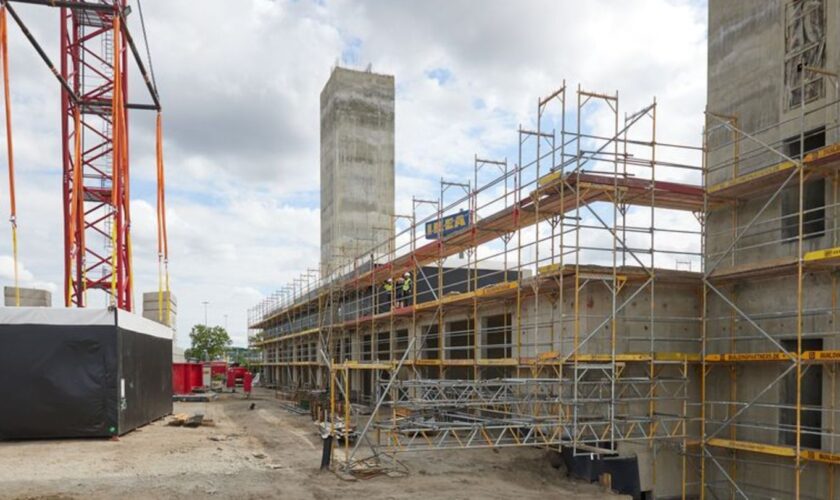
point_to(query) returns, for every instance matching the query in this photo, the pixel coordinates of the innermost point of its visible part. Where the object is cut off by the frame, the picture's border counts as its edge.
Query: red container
(236, 376)
(185, 377)
(247, 381)
(218, 368)
(196, 376)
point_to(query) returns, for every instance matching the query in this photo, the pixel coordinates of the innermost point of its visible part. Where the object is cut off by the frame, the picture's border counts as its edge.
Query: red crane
(96, 46)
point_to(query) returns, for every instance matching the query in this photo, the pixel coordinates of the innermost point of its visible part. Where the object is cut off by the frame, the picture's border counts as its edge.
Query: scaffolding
(769, 340)
(553, 313)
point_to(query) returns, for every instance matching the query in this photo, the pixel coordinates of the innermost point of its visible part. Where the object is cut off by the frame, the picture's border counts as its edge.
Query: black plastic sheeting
(66, 381)
(146, 366)
(624, 470)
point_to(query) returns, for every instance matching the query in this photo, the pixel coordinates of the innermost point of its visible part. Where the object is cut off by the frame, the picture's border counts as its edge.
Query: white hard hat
(407, 274)
(390, 280)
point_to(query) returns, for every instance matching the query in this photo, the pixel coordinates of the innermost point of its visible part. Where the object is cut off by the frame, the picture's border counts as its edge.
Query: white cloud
(240, 84)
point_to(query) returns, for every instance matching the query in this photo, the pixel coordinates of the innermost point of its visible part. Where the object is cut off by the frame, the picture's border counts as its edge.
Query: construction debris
(187, 420)
(204, 397)
(293, 408)
(338, 430)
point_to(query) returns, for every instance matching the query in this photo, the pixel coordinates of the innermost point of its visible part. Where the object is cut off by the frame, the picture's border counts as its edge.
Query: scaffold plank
(290, 363)
(550, 269)
(767, 449)
(361, 365)
(761, 173)
(807, 357)
(427, 362)
(280, 338)
(497, 362)
(816, 259)
(769, 177)
(821, 356)
(552, 356)
(496, 289)
(676, 356)
(747, 356)
(825, 256)
(821, 456)
(770, 267)
(447, 299)
(824, 155)
(775, 450)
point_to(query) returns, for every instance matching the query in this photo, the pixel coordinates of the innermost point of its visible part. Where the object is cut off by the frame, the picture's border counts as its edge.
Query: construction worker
(388, 288)
(406, 288)
(400, 283)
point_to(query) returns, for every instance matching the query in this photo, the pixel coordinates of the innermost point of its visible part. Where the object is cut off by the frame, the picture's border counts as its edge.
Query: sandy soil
(264, 453)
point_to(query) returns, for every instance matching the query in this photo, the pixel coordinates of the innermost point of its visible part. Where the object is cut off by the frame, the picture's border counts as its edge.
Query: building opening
(813, 211)
(497, 333)
(460, 339)
(429, 342)
(811, 400)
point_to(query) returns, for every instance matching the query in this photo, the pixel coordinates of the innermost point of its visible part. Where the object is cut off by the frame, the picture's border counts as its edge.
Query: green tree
(209, 341)
(257, 337)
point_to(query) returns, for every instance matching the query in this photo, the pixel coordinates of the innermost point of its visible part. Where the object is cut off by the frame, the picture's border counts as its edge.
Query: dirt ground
(265, 453)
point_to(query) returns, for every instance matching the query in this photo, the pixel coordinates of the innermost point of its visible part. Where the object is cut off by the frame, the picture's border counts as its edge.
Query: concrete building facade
(772, 288)
(357, 164)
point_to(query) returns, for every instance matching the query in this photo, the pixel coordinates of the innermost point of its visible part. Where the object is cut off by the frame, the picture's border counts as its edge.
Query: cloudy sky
(240, 83)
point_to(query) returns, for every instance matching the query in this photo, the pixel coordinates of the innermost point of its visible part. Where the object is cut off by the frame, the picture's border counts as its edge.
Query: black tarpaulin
(81, 372)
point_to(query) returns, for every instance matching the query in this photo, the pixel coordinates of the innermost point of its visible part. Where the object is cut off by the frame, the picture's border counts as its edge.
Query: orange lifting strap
(163, 246)
(4, 54)
(119, 182)
(76, 210)
(116, 116)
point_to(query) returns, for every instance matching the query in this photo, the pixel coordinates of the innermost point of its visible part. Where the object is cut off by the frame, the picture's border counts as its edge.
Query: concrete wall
(152, 310)
(357, 163)
(29, 297)
(745, 51)
(746, 80)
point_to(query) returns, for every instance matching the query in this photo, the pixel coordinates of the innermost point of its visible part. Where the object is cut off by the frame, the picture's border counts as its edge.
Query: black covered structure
(68, 373)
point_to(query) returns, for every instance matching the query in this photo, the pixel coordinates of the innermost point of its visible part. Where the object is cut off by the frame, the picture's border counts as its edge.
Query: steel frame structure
(94, 62)
(558, 375)
(95, 44)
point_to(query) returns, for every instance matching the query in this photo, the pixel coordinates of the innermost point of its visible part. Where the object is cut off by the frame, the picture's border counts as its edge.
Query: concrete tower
(357, 164)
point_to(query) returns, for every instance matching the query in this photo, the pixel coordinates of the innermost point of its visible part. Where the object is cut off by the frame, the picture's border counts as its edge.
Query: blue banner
(450, 224)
